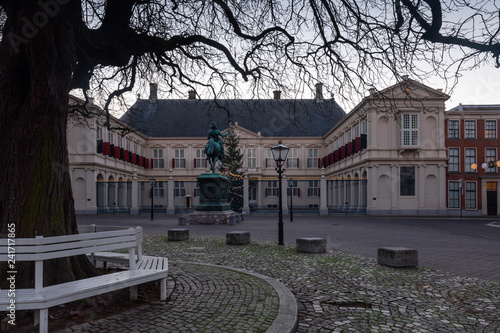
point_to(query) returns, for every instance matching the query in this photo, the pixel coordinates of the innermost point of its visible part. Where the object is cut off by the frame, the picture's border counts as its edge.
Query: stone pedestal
(311, 245)
(214, 189)
(225, 217)
(178, 234)
(397, 257)
(238, 237)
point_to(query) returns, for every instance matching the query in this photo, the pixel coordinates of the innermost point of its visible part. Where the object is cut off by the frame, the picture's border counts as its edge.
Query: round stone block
(178, 234)
(311, 245)
(238, 237)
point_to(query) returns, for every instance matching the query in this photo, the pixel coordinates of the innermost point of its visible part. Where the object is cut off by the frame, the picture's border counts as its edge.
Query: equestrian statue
(214, 149)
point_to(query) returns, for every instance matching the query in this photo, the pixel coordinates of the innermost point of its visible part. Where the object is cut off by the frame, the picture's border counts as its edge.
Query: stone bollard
(310, 245)
(237, 237)
(397, 257)
(178, 234)
(182, 220)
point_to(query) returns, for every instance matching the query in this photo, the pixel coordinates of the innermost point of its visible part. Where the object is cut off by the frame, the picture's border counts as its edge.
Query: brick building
(473, 143)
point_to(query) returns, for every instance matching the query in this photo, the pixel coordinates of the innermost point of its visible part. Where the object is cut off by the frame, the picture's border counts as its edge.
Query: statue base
(214, 217)
(214, 190)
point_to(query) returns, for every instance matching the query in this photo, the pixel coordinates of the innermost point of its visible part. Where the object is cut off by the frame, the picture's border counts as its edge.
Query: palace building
(388, 156)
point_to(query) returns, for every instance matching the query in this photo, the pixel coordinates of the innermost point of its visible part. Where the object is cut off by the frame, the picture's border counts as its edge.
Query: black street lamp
(152, 182)
(280, 151)
(290, 186)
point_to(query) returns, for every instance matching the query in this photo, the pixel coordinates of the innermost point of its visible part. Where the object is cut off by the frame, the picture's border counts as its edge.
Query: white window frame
(158, 161)
(313, 188)
(252, 158)
(201, 161)
(468, 197)
(312, 157)
(272, 188)
(457, 200)
(490, 157)
(457, 122)
(457, 157)
(468, 131)
(409, 129)
(179, 189)
(486, 129)
(293, 158)
(469, 161)
(179, 158)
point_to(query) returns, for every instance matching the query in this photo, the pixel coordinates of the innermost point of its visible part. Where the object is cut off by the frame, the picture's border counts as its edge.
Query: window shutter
(122, 155)
(298, 163)
(319, 192)
(105, 148)
(195, 193)
(266, 162)
(126, 156)
(364, 141)
(99, 146)
(358, 143)
(266, 192)
(173, 163)
(146, 163)
(319, 162)
(117, 152)
(194, 162)
(298, 192)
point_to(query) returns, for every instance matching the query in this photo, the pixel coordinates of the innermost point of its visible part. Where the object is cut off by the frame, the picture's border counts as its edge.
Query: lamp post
(290, 186)
(152, 182)
(280, 151)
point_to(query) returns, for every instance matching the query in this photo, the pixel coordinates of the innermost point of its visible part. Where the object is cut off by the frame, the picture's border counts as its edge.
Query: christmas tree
(234, 157)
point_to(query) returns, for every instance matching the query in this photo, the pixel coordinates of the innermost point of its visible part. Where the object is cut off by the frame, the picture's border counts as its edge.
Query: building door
(491, 198)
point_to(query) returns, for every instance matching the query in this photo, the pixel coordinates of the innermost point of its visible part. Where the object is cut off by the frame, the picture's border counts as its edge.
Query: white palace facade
(385, 157)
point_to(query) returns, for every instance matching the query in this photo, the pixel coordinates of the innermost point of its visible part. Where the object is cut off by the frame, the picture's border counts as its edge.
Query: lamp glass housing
(280, 152)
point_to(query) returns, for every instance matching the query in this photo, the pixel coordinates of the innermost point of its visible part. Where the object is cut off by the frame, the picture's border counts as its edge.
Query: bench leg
(133, 292)
(44, 320)
(163, 289)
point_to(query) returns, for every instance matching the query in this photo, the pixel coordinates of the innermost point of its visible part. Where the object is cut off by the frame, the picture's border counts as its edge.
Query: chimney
(153, 92)
(277, 94)
(319, 91)
(192, 94)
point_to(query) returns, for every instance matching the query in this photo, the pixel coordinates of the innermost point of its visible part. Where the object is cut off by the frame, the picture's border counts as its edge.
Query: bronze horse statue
(214, 153)
(214, 149)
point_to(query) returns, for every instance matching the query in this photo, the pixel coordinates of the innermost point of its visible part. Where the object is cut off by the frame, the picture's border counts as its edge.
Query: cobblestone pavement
(335, 292)
(202, 299)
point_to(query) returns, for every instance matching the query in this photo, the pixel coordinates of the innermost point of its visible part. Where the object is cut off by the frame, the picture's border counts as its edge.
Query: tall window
(252, 157)
(453, 129)
(312, 161)
(313, 188)
(270, 163)
(470, 158)
(364, 126)
(293, 158)
(158, 190)
(179, 190)
(409, 132)
(179, 161)
(490, 131)
(99, 132)
(491, 159)
(356, 131)
(454, 161)
(119, 141)
(111, 137)
(453, 195)
(349, 137)
(158, 159)
(470, 129)
(135, 148)
(470, 195)
(407, 181)
(200, 161)
(128, 144)
(272, 188)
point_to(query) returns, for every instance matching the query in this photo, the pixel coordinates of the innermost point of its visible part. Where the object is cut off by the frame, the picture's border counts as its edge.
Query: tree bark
(38, 58)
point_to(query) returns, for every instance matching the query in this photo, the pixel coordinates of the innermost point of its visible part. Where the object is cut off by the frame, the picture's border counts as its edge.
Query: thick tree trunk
(38, 57)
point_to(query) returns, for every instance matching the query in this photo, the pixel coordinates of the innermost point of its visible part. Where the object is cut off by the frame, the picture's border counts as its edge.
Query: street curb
(286, 320)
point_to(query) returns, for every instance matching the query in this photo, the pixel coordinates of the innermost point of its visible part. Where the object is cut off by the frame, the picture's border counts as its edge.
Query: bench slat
(71, 291)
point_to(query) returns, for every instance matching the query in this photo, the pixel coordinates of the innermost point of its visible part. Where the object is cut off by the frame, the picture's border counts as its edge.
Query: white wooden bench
(39, 249)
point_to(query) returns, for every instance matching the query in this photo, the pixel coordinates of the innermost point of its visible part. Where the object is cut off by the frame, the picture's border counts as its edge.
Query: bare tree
(50, 48)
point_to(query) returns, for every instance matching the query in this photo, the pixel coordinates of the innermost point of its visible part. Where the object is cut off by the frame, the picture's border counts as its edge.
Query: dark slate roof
(270, 117)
